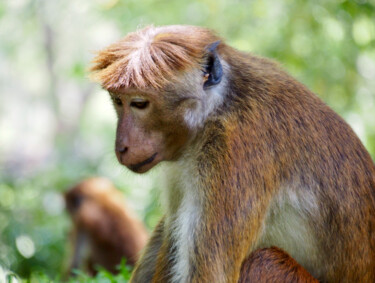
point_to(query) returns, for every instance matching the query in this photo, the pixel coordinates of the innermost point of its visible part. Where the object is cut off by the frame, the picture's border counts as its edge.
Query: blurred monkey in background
(105, 229)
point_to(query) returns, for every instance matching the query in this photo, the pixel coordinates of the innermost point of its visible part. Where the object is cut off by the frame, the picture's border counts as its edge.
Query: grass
(103, 276)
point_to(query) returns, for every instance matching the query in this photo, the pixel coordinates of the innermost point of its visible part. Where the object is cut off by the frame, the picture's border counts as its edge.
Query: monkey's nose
(120, 153)
(122, 150)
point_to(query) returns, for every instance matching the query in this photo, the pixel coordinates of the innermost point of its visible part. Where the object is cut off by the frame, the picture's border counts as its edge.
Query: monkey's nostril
(123, 150)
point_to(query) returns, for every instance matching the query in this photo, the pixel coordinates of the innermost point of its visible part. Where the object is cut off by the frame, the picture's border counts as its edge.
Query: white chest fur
(185, 216)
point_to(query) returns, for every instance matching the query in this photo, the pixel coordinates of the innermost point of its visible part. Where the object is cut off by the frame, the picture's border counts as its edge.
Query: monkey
(105, 229)
(254, 160)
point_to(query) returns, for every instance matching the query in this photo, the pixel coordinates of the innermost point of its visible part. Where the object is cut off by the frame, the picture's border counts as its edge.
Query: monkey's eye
(139, 103)
(117, 101)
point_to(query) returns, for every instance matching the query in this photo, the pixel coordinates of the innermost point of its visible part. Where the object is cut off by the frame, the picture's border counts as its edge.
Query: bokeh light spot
(25, 246)
(53, 203)
(363, 31)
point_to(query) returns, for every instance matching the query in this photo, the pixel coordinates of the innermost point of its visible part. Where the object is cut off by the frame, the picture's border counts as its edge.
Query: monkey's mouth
(138, 166)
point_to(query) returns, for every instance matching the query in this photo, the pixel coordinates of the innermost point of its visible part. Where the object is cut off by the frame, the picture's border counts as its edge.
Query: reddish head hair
(151, 57)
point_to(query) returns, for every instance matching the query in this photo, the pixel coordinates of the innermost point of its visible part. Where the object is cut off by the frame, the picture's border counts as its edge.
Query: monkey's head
(164, 82)
(86, 194)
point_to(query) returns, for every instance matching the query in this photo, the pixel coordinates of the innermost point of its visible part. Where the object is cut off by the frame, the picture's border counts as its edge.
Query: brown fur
(104, 223)
(270, 153)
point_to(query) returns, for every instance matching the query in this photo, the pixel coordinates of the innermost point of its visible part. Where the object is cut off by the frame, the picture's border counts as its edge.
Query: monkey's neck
(181, 182)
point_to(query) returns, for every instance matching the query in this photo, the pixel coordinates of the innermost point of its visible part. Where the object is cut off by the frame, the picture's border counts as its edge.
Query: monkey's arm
(237, 185)
(145, 267)
(225, 243)
(273, 265)
(80, 252)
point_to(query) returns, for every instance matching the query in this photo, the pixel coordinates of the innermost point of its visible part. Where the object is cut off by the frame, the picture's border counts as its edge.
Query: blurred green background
(56, 127)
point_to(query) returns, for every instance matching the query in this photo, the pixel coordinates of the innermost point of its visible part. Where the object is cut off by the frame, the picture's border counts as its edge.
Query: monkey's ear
(213, 71)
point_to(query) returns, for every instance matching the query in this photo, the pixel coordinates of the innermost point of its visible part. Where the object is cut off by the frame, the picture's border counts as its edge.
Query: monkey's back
(323, 211)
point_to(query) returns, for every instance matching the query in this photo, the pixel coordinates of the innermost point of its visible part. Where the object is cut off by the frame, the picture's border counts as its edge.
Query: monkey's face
(150, 129)
(156, 125)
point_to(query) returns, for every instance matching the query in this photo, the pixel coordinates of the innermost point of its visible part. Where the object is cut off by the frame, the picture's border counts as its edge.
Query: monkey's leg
(145, 267)
(273, 265)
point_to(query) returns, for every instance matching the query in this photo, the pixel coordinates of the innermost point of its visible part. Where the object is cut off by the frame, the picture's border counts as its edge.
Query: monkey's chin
(146, 165)
(143, 169)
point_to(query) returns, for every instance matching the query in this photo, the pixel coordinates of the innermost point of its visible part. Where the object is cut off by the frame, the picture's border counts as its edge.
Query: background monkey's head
(164, 83)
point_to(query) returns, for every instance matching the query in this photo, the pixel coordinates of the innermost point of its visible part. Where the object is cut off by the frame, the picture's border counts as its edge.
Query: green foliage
(103, 276)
